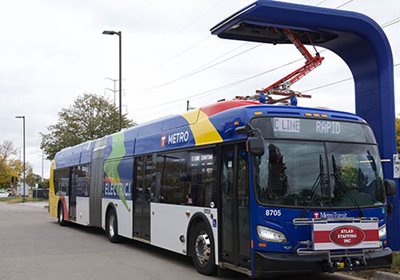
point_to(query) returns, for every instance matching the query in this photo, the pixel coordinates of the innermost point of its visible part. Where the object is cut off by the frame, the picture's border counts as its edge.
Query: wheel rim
(111, 229)
(203, 248)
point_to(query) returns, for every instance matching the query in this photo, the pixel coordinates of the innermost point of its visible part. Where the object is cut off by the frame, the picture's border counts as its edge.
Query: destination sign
(312, 129)
(286, 125)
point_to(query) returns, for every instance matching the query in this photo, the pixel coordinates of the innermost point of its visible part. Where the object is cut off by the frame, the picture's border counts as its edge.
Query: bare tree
(7, 149)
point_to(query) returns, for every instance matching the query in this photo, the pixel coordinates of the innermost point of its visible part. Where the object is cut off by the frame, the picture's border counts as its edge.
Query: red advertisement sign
(336, 236)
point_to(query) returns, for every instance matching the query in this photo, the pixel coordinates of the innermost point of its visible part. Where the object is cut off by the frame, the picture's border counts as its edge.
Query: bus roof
(207, 125)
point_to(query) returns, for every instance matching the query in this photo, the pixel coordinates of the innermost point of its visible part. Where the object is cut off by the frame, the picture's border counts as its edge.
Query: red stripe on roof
(226, 105)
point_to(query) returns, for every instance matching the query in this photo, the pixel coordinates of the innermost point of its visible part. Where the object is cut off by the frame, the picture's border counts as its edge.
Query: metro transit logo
(174, 138)
(329, 215)
(163, 139)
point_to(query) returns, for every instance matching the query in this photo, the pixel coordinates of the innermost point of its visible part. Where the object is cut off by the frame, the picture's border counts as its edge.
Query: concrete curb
(347, 276)
(382, 275)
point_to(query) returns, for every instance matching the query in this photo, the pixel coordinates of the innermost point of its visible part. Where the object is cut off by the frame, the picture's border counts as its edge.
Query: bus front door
(235, 206)
(142, 197)
(72, 194)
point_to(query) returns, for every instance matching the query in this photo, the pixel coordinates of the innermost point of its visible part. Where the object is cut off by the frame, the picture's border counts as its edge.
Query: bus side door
(142, 197)
(234, 195)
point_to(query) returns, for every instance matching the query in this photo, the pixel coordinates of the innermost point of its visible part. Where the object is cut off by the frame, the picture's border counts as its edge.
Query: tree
(31, 178)
(7, 149)
(5, 173)
(90, 117)
(10, 168)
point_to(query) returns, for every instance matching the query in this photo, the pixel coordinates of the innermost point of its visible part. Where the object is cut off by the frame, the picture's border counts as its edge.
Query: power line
(391, 22)
(199, 69)
(184, 51)
(193, 72)
(182, 29)
(211, 91)
(340, 6)
(327, 85)
(220, 56)
(217, 89)
(197, 18)
(320, 3)
(336, 82)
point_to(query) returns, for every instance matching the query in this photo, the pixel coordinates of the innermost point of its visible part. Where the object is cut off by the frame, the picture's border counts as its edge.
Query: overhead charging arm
(282, 86)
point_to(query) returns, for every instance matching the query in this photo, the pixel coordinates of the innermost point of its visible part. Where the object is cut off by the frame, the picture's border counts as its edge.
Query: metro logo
(347, 236)
(174, 138)
(163, 140)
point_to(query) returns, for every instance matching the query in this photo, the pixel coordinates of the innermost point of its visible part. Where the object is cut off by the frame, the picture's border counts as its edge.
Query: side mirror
(390, 187)
(255, 146)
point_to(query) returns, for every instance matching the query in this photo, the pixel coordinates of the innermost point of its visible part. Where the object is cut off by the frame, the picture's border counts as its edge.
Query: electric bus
(239, 184)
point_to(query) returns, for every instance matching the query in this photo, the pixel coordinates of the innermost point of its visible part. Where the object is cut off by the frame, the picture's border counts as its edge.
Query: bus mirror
(255, 146)
(390, 187)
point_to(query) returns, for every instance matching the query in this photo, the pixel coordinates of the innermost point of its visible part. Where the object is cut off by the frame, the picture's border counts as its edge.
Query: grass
(396, 262)
(13, 200)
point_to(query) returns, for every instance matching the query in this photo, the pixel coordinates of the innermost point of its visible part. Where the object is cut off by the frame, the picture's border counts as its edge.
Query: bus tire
(61, 217)
(112, 226)
(202, 249)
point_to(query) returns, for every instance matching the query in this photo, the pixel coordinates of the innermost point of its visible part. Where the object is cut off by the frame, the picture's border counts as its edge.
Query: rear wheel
(61, 217)
(112, 226)
(202, 249)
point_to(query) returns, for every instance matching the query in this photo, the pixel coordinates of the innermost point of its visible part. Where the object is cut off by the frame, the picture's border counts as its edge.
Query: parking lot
(34, 246)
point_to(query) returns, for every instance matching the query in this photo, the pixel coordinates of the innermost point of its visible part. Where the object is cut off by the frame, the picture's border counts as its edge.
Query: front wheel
(61, 217)
(202, 249)
(112, 226)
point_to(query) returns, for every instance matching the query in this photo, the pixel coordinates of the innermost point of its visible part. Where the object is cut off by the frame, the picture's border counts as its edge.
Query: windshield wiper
(318, 181)
(338, 178)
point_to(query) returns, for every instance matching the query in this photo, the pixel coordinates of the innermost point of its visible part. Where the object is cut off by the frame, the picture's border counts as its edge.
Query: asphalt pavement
(33, 246)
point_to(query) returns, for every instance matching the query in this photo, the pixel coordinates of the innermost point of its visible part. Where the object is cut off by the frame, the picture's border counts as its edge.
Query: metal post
(23, 120)
(119, 33)
(42, 166)
(23, 136)
(120, 79)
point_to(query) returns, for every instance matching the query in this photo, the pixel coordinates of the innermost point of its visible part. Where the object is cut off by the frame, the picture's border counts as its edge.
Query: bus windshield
(319, 174)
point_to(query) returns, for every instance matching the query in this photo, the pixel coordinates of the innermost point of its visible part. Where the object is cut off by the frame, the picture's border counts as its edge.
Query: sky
(54, 51)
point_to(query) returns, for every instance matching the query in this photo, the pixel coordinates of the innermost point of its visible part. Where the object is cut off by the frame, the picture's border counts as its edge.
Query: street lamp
(120, 72)
(23, 136)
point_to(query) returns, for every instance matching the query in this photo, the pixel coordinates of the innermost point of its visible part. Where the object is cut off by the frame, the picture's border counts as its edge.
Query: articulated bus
(241, 185)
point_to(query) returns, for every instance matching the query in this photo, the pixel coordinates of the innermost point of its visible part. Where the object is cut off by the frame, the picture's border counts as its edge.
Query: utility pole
(42, 166)
(114, 91)
(23, 135)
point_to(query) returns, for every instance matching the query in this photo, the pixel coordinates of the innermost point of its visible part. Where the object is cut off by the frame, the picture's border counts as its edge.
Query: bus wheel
(61, 219)
(202, 249)
(112, 226)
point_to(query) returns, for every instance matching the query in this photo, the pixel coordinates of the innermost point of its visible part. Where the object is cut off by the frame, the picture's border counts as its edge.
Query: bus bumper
(270, 264)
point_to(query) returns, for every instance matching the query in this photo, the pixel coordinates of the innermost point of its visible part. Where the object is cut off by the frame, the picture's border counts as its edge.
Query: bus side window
(202, 173)
(61, 181)
(81, 179)
(171, 168)
(56, 181)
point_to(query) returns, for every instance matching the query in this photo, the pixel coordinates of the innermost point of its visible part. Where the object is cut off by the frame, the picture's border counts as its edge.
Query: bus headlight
(270, 235)
(382, 232)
